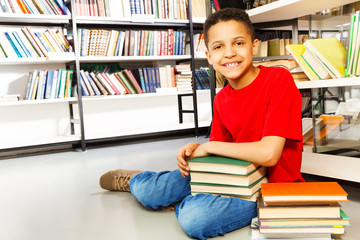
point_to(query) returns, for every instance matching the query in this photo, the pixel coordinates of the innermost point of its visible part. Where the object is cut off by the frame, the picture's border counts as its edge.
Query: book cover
(316, 64)
(221, 165)
(98, 84)
(329, 211)
(111, 83)
(104, 82)
(303, 192)
(126, 82)
(221, 189)
(37, 41)
(118, 84)
(68, 86)
(7, 47)
(55, 81)
(306, 222)
(62, 86)
(87, 83)
(32, 42)
(133, 80)
(228, 179)
(31, 84)
(92, 83)
(296, 50)
(331, 52)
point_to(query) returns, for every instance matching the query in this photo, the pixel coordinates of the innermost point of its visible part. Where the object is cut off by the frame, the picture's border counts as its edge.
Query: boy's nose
(229, 52)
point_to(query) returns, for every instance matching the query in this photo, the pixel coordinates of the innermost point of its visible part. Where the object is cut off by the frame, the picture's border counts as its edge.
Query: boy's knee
(197, 223)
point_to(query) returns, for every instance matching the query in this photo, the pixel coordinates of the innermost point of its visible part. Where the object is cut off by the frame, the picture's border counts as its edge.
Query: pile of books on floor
(300, 210)
(226, 177)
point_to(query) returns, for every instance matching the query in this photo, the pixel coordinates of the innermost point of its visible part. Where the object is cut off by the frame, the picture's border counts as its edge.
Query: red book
(117, 92)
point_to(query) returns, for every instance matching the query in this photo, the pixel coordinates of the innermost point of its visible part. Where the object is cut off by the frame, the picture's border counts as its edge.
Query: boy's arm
(265, 152)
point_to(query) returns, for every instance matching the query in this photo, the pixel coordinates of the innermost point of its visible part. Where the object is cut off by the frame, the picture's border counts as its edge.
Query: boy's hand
(184, 155)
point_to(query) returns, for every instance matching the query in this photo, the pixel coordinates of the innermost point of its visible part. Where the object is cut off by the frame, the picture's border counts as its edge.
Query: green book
(222, 165)
(126, 82)
(222, 189)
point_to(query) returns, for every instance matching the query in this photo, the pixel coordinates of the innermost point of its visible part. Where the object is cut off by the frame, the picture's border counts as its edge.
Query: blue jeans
(200, 216)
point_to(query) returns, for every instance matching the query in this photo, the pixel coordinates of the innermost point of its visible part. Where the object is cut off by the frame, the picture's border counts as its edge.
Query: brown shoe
(118, 180)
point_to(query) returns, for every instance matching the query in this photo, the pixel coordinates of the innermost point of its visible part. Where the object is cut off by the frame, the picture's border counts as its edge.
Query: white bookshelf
(32, 61)
(38, 102)
(340, 82)
(290, 9)
(34, 18)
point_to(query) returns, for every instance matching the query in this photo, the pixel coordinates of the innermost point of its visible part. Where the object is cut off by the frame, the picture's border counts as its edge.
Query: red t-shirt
(269, 106)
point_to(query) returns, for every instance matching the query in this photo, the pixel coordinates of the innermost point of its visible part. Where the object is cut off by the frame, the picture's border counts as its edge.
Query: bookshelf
(76, 120)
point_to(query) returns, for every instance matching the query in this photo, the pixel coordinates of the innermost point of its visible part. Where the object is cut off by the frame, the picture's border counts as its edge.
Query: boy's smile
(230, 51)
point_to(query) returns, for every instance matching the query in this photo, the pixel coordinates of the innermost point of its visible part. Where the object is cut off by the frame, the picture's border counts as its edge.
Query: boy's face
(230, 50)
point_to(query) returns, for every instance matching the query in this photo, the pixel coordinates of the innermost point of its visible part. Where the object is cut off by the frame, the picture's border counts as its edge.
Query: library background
(90, 72)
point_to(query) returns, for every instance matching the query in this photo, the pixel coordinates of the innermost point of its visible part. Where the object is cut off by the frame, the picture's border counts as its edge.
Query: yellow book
(331, 53)
(47, 41)
(296, 50)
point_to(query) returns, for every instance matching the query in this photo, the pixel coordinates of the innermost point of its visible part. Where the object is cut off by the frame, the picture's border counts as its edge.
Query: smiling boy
(257, 117)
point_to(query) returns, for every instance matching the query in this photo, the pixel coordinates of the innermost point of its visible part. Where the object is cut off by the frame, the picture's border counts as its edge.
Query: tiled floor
(57, 196)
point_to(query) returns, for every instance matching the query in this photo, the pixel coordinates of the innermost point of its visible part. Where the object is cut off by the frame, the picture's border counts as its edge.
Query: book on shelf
(330, 53)
(9, 98)
(316, 65)
(99, 42)
(296, 50)
(53, 7)
(49, 84)
(328, 211)
(302, 192)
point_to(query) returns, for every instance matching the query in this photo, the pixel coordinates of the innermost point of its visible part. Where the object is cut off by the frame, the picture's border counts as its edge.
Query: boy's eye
(216, 47)
(239, 43)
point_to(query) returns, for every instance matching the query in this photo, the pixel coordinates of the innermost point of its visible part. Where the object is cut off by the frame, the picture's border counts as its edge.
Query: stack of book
(226, 177)
(322, 58)
(290, 210)
(183, 77)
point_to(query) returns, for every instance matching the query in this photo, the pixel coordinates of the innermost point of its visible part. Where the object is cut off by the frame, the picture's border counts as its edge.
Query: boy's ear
(208, 56)
(255, 47)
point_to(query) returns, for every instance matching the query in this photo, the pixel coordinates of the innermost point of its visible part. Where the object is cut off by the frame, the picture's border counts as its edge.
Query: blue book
(117, 48)
(57, 86)
(49, 82)
(157, 77)
(175, 43)
(147, 84)
(180, 42)
(22, 45)
(42, 40)
(92, 83)
(15, 45)
(84, 90)
(151, 79)
(63, 7)
(142, 80)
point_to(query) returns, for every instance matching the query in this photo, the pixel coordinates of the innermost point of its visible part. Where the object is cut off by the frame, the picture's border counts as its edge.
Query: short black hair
(225, 15)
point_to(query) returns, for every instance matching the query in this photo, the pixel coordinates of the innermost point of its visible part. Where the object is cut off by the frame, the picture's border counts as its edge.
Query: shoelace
(121, 183)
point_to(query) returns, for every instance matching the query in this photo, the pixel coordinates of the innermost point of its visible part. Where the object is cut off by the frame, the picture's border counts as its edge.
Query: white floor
(56, 196)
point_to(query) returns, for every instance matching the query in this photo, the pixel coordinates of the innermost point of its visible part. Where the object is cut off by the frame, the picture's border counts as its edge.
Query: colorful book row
(49, 84)
(132, 81)
(102, 42)
(29, 43)
(159, 9)
(47, 7)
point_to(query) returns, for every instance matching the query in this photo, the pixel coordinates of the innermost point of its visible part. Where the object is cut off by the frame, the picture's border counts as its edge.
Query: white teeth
(231, 64)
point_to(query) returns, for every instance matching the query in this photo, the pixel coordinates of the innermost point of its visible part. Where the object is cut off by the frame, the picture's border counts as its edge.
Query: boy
(257, 117)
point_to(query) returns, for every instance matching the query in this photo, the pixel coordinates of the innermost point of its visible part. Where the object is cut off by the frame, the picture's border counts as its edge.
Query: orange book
(23, 7)
(330, 123)
(302, 192)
